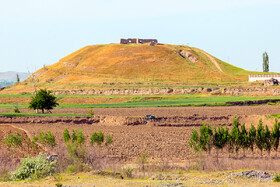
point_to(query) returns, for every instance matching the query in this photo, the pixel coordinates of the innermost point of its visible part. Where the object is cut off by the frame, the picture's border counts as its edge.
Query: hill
(137, 64)
(12, 76)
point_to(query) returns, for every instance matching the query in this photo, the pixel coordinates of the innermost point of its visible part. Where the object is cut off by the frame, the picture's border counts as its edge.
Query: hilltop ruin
(138, 41)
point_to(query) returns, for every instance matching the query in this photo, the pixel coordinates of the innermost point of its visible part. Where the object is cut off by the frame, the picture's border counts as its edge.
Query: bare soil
(163, 138)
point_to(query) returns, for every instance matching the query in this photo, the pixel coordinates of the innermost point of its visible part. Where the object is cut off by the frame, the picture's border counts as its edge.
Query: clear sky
(34, 33)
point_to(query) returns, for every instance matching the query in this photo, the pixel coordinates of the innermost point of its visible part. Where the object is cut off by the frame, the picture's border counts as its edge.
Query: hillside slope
(115, 66)
(138, 63)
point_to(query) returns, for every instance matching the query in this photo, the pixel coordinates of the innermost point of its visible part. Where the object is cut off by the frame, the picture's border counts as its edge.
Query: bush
(47, 138)
(13, 141)
(276, 178)
(91, 113)
(97, 138)
(34, 168)
(16, 110)
(128, 171)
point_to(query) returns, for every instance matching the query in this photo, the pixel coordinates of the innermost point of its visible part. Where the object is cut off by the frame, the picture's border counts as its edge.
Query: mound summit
(138, 63)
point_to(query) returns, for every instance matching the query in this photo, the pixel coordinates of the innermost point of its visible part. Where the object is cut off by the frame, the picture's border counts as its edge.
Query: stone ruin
(138, 41)
(271, 82)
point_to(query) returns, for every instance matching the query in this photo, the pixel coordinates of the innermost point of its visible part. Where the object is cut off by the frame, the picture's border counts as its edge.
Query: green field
(155, 101)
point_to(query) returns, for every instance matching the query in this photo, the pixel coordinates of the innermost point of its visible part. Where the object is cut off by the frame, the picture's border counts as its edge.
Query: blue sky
(34, 33)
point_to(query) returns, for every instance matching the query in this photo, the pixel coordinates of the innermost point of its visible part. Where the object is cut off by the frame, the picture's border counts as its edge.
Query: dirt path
(213, 60)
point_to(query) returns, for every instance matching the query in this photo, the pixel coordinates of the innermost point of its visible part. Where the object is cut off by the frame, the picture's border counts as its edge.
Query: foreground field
(164, 139)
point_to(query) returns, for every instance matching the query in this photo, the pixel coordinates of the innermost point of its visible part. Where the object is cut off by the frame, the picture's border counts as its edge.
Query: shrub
(47, 138)
(143, 160)
(128, 171)
(91, 113)
(66, 135)
(97, 138)
(13, 141)
(16, 109)
(109, 140)
(34, 168)
(76, 150)
(276, 178)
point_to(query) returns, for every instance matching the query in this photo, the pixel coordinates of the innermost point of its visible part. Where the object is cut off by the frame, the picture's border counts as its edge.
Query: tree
(97, 138)
(268, 138)
(194, 140)
(43, 100)
(220, 138)
(205, 139)
(18, 80)
(234, 142)
(260, 137)
(265, 62)
(275, 136)
(244, 139)
(252, 137)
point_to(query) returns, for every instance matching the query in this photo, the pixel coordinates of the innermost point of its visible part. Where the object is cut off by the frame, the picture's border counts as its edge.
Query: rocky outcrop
(260, 175)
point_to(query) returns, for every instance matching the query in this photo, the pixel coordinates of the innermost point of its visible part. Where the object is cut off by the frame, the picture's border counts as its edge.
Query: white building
(253, 78)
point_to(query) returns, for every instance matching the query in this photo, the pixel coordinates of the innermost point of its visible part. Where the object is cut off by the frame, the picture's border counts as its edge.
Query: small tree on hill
(43, 100)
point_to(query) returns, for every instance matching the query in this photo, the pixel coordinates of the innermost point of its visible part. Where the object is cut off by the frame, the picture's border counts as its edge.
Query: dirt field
(165, 139)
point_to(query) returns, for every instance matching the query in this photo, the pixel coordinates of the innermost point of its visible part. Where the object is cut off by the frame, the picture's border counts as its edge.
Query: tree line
(237, 138)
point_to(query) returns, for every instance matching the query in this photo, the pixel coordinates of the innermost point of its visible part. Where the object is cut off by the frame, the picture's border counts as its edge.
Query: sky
(34, 33)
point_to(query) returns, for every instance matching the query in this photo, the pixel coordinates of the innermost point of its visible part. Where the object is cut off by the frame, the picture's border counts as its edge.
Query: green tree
(43, 100)
(260, 136)
(275, 136)
(265, 62)
(252, 137)
(97, 138)
(109, 140)
(194, 141)
(18, 80)
(268, 138)
(66, 135)
(244, 140)
(206, 139)
(47, 138)
(234, 142)
(220, 138)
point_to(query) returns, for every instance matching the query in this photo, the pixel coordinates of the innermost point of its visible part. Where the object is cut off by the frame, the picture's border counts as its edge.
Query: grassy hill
(133, 65)
(137, 63)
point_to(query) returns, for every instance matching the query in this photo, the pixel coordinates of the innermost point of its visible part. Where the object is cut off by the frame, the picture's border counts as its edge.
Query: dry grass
(134, 64)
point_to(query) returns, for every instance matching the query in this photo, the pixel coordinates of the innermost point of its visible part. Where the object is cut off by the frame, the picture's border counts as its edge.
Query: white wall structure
(253, 78)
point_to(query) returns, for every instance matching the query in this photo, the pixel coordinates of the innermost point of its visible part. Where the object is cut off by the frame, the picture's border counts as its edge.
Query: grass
(155, 101)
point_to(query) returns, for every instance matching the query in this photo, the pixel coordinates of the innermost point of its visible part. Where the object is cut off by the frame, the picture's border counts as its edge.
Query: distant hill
(11, 76)
(139, 63)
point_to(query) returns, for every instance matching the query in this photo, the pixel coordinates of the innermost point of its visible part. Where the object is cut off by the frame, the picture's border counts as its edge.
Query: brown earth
(6, 130)
(163, 138)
